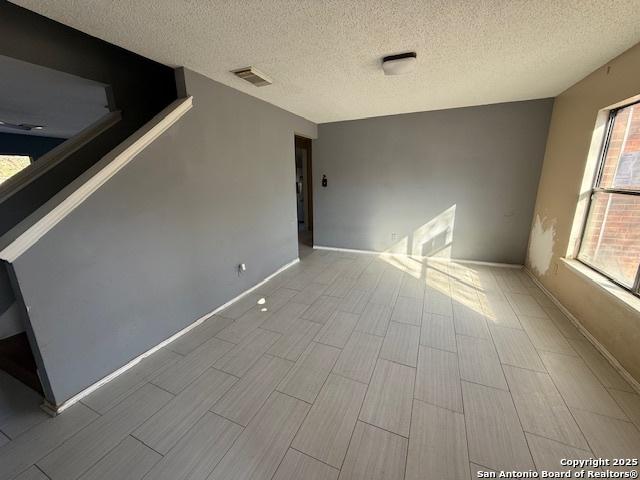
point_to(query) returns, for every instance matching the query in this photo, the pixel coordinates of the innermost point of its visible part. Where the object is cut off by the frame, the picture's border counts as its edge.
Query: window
(12, 164)
(611, 236)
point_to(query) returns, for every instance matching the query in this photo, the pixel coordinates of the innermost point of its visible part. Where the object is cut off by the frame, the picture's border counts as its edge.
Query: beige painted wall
(614, 325)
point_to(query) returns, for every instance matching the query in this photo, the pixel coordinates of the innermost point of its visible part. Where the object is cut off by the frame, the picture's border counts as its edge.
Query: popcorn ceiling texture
(324, 56)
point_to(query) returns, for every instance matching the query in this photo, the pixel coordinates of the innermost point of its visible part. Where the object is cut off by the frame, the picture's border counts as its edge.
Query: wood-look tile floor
(345, 366)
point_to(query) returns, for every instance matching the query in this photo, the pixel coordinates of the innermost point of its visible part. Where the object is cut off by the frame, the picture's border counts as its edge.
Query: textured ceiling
(64, 104)
(324, 56)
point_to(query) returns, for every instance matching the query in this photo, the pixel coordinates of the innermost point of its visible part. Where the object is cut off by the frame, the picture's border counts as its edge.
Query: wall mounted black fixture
(324, 180)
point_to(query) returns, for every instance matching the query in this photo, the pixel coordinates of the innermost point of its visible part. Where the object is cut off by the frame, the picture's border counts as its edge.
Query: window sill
(619, 294)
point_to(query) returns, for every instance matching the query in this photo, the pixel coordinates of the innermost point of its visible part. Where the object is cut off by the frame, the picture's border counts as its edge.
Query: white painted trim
(57, 409)
(56, 155)
(35, 232)
(582, 329)
(353, 250)
(515, 266)
(599, 281)
(436, 259)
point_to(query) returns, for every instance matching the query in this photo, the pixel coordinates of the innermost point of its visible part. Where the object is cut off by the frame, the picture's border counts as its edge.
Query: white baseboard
(57, 409)
(436, 259)
(582, 329)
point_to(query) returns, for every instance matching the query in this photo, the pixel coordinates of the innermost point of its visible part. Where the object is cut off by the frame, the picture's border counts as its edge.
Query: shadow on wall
(432, 239)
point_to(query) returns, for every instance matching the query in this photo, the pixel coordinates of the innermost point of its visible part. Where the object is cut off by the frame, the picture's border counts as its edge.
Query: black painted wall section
(141, 88)
(31, 145)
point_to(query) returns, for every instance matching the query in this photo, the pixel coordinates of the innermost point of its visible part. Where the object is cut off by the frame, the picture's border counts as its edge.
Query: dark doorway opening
(304, 190)
(16, 358)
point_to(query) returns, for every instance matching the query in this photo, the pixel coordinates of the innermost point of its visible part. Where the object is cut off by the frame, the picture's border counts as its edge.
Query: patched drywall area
(541, 245)
(609, 320)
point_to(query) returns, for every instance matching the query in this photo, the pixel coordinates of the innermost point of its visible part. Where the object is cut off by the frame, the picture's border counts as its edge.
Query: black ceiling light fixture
(399, 64)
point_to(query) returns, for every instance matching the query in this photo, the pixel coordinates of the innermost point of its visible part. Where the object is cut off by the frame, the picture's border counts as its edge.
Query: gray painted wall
(157, 246)
(458, 183)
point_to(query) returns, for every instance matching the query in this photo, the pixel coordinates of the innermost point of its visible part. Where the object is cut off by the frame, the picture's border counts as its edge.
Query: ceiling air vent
(253, 76)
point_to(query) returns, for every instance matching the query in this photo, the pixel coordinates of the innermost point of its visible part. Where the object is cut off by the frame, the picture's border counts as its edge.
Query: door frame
(305, 144)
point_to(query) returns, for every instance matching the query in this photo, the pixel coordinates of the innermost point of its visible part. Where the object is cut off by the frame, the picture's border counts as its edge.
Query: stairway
(17, 360)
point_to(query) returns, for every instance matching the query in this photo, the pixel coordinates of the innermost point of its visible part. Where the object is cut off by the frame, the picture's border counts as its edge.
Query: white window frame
(597, 188)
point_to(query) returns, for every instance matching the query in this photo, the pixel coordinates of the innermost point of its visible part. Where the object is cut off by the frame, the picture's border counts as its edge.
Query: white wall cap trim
(127, 152)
